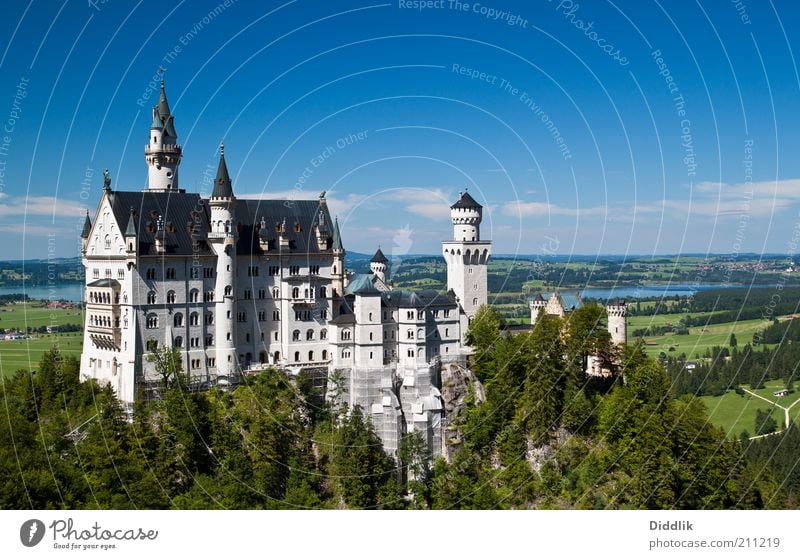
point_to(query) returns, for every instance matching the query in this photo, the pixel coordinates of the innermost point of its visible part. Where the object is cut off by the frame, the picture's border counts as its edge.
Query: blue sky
(596, 127)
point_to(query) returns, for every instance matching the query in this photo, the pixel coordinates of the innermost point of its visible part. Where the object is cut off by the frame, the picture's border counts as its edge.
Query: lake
(654, 291)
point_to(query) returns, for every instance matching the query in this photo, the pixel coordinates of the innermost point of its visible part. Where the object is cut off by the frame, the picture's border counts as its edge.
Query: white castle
(241, 285)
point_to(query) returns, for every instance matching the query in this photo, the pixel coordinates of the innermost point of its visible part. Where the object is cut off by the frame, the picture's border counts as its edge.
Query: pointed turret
(337, 269)
(222, 184)
(130, 231)
(87, 226)
(379, 257)
(337, 237)
(163, 106)
(379, 264)
(162, 152)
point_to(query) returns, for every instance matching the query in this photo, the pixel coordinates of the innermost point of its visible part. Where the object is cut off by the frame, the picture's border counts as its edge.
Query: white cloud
(21, 206)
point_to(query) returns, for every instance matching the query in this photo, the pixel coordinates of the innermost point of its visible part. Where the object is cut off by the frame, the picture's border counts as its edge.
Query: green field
(701, 338)
(25, 354)
(736, 414)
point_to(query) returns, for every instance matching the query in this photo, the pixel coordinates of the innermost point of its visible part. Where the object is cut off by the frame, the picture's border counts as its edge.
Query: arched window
(309, 334)
(178, 341)
(228, 291)
(193, 295)
(323, 334)
(170, 296)
(152, 345)
(108, 241)
(276, 357)
(324, 354)
(276, 292)
(310, 355)
(420, 334)
(177, 320)
(262, 357)
(323, 292)
(475, 301)
(151, 298)
(152, 321)
(295, 292)
(193, 319)
(296, 336)
(297, 356)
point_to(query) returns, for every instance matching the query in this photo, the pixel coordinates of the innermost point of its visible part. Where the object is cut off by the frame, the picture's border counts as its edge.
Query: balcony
(165, 148)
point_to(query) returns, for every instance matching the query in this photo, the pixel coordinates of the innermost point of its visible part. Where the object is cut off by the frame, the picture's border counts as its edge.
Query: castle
(561, 304)
(238, 285)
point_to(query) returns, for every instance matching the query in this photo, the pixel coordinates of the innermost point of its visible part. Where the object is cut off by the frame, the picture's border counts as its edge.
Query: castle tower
(536, 305)
(162, 152)
(378, 265)
(618, 321)
(223, 238)
(337, 269)
(467, 255)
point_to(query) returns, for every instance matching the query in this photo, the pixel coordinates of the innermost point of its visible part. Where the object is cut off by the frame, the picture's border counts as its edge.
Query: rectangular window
(274, 270)
(248, 294)
(120, 274)
(314, 270)
(96, 273)
(294, 270)
(262, 316)
(262, 293)
(241, 316)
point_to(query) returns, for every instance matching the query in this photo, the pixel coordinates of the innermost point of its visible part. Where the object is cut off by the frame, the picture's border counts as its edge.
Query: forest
(544, 436)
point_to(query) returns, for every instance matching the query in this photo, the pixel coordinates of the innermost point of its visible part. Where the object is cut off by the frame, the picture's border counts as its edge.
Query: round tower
(162, 152)
(466, 215)
(378, 265)
(618, 321)
(223, 238)
(467, 257)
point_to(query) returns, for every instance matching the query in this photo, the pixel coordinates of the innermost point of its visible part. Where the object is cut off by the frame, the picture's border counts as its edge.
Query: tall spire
(163, 106)
(222, 184)
(131, 230)
(87, 227)
(337, 237)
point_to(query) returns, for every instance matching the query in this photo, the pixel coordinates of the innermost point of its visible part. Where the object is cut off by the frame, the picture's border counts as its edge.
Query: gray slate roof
(466, 201)
(185, 216)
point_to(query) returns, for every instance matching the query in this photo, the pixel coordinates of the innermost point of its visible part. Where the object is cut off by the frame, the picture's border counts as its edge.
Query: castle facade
(238, 285)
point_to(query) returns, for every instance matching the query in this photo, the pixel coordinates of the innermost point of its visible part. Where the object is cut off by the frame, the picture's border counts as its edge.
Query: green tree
(732, 342)
(482, 335)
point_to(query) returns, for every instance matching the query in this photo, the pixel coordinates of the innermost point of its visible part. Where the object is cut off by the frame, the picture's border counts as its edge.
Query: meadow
(25, 354)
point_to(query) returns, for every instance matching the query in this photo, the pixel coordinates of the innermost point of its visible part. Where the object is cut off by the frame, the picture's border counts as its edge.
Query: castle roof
(361, 284)
(337, 237)
(465, 201)
(131, 230)
(164, 114)
(416, 299)
(379, 257)
(185, 216)
(87, 226)
(223, 187)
